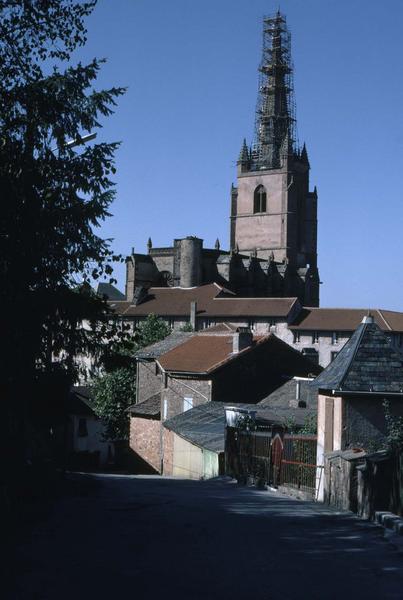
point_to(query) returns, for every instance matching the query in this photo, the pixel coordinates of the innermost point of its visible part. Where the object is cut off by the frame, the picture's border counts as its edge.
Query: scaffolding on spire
(275, 123)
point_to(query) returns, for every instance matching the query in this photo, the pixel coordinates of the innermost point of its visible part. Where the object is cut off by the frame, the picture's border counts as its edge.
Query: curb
(393, 528)
(390, 521)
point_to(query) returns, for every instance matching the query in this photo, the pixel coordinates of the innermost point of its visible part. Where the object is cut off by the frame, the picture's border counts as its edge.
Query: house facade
(219, 365)
(320, 333)
(352, 392)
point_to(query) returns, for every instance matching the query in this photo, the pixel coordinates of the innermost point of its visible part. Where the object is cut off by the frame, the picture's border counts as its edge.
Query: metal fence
(298, 462)
(267, 456)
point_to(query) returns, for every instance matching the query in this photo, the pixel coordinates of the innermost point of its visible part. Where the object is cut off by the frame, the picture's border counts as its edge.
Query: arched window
(259, 199)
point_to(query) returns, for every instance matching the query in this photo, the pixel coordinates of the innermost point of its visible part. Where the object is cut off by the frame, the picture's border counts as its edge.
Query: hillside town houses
(251, 352)
(320, 333)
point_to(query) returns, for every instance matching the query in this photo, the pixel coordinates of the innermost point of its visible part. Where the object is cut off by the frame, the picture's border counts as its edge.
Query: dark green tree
(152, 330)
(114, 390)
(54, 196)
(113, 393)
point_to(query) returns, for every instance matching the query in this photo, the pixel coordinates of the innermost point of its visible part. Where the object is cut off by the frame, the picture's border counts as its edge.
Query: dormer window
(259, 199)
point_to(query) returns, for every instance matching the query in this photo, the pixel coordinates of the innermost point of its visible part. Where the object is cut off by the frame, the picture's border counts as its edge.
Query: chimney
(193, 310)
(243, 338)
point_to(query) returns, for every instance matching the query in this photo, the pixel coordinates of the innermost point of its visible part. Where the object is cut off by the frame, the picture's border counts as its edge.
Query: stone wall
(364, 421)
(148, 380)
(174, 394)
(145, 443)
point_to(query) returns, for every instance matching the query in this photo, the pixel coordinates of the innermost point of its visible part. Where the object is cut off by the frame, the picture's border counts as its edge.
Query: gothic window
(259, 199)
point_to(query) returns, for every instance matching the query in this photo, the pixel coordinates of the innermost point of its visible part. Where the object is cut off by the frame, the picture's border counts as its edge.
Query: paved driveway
(150, 537)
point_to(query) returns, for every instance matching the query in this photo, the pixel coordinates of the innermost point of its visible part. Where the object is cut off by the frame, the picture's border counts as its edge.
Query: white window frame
(187, 403)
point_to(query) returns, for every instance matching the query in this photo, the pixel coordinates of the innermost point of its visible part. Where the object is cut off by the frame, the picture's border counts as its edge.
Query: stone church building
(268, 280)
(273, 223)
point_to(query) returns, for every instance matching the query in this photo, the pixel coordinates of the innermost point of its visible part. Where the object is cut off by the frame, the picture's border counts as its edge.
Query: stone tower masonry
(273, 213)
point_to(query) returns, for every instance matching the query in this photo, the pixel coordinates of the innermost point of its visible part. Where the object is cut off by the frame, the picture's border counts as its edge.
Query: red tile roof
(212, 301)
(203, 354)
(345, 319)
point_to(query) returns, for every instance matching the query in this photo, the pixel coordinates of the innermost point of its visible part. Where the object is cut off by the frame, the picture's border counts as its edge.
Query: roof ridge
(363, 328)
(379, 311)
(294, 298)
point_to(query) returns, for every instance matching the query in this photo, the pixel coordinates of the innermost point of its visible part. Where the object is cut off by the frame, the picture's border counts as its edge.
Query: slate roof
(281, 397)
(203, 425)
(79, 402)
(283, 415)
(148, 408)
(367, 363)
(171, 341)
(212, 301)
(345, 319)
(276, 406)
(109, 290)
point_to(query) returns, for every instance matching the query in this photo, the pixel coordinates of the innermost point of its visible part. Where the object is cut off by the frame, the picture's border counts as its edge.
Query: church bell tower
(273, 212)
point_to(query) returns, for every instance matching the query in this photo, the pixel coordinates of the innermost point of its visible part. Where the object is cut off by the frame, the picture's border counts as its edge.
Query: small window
(297, 336)
(252, 324)
(187, 403)
(335, 337)
(315, 337)
(259, 199)
(82, 428)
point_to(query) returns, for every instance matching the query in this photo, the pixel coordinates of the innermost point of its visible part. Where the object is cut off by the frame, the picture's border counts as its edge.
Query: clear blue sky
(191, 71)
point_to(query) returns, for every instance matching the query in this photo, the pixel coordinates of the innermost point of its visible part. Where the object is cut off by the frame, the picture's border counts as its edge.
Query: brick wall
(145, 441)
(168, 454)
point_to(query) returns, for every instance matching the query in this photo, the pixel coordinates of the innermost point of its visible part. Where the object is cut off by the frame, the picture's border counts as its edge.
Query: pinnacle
(244, 154)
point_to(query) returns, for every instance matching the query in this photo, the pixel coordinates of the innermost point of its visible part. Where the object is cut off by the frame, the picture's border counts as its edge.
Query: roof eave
(341, 392)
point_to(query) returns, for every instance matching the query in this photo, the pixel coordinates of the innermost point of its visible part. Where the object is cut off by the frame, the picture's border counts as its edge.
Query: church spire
(275, 120)
(304, 155)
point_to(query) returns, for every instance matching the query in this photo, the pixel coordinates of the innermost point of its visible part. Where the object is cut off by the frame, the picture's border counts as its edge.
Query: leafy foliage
(113, 394)
(114, 391)
(394, 429)
(310, 426)
(152, 330)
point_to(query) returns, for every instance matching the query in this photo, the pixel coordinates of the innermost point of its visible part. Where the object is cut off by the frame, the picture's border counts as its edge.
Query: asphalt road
(150, 537)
